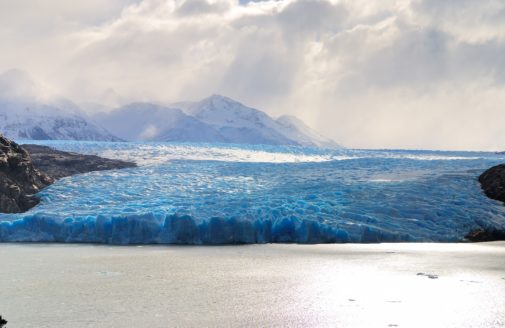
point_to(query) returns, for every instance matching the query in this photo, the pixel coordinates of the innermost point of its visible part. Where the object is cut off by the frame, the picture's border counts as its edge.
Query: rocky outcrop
(25, 170)
(19, 180)
(59, 164)
(488, 234)
(493, 182)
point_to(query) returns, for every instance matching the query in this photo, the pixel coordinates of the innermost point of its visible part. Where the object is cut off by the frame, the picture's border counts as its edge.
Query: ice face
(219, 194)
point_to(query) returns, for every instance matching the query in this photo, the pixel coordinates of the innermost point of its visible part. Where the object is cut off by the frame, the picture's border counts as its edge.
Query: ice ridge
(183, 229)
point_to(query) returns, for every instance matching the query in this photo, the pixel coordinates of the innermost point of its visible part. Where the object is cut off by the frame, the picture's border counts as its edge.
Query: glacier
(199, 194)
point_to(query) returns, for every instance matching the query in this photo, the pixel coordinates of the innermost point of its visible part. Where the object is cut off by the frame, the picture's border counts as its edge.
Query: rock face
(19, 180)
(25, 170)
(60, 164)
(493, 182)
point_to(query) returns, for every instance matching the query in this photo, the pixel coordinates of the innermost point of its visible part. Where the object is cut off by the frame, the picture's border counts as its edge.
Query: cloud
(202, 7)
(397, 74)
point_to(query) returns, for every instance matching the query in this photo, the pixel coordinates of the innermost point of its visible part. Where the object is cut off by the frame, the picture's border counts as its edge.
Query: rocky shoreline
(492, 182)
(59, 164)
(26, 169)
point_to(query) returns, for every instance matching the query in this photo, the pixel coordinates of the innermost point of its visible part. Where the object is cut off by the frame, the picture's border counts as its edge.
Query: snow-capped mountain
(237, 122)
(213, 119)
(44, 122)
(29, 111)
(150, 122)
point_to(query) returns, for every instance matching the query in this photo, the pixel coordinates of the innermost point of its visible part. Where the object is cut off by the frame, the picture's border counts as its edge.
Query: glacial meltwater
(223, 194)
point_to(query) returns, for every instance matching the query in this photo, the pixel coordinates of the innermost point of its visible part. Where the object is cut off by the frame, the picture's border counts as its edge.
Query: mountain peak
(216, 96)
(220, 101)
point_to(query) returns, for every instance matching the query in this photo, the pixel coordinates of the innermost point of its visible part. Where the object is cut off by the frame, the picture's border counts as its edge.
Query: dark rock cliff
(25, 170)
(493, 182)
(19, 180)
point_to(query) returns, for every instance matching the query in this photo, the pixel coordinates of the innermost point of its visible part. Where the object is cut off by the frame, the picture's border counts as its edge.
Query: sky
(422, 74)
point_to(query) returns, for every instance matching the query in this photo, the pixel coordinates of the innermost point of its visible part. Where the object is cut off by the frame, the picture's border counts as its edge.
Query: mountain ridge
(213, 119)
(30, 110)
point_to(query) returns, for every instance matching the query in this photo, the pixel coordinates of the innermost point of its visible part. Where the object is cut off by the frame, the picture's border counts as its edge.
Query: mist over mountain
(28, 110)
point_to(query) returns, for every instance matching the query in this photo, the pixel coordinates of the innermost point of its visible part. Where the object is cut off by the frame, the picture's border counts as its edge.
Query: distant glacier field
(228, 194)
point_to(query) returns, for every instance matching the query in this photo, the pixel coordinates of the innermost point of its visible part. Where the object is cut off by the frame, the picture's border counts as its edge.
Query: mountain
(29, 111)
(151, 122)
(240, 122)
(295, 129)
(213, 119)
(45, 122)
(237, 122)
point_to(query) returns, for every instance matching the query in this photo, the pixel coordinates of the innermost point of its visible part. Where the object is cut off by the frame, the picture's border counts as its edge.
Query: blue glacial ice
(222, 194)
